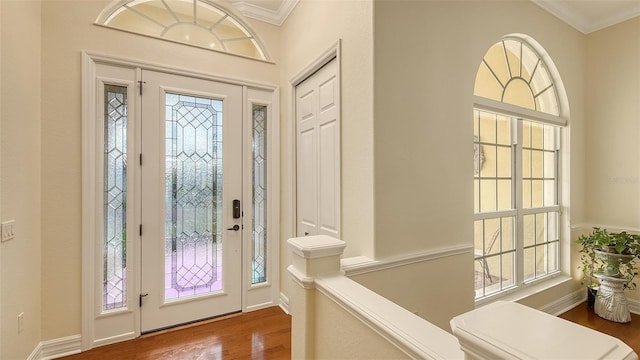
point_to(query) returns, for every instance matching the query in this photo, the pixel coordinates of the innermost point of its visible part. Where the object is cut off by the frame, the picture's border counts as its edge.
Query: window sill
(526, 290)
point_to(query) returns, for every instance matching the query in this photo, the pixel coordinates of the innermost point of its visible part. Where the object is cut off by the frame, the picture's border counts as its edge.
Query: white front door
(191, 175)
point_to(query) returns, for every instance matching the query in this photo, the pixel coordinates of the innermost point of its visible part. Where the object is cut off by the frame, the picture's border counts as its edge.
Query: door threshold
(190, 324)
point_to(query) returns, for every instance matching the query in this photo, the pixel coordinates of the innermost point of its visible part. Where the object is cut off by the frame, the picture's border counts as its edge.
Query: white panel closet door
(318, 153)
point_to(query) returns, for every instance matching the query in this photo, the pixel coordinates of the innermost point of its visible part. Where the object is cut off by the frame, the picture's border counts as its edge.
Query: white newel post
(312, 256)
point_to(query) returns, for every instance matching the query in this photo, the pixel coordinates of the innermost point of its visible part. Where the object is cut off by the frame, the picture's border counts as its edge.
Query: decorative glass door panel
(114, 278)
(259, 167)
(191, 174)
(193, 186)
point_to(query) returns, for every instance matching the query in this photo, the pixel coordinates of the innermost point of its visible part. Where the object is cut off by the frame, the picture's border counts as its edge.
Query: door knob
(235, 227)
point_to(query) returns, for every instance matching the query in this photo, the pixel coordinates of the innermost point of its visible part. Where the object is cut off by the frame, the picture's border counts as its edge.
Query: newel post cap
(317, 246)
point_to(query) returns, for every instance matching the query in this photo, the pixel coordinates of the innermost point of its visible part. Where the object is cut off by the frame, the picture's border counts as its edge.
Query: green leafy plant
(599, 243)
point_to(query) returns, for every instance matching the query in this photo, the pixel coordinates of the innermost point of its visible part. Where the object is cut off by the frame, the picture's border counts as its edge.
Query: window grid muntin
(498, 236)
(549, 240)
(520, 211)
(539, 82)
(496, 145)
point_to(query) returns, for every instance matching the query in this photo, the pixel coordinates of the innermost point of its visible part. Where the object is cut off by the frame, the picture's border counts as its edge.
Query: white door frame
(333, 52)
(253, 296)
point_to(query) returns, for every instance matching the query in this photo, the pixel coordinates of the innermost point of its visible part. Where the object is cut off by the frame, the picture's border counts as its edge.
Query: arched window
(197, 22)
(517, 126)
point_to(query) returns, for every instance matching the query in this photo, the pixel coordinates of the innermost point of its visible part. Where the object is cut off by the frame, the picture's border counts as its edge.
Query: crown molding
(565, 11)
(275, 17)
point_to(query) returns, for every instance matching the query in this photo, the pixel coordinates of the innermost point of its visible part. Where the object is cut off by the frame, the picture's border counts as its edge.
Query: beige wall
(67, 30)
(612, 111)
(435, 290)
(423, 106)
(311, 29)
(352, 339)
(20, 175)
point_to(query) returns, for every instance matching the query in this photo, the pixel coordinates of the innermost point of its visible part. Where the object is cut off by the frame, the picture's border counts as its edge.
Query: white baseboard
(259, 306)
(114, 339)
(634, 306)
(57, 348)
(36, 354)
(565, 303)
(284, 303)
(574, 299)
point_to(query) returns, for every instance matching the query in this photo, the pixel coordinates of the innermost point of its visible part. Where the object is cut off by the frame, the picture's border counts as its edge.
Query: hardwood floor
(628, 332)
(262, 334)
(266, 334)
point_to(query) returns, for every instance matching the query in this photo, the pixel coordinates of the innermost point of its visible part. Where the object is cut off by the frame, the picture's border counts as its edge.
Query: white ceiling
(591, 15)
(584, 15)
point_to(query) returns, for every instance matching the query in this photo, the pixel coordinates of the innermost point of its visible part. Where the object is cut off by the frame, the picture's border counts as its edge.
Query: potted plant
(590, 263)
(612, 254)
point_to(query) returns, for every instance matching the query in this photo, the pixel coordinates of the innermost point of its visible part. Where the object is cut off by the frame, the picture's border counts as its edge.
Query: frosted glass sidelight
(114, 279)
(193, 191)
(259, 234)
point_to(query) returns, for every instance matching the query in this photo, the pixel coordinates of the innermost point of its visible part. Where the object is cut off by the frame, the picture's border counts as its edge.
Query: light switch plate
(8, 229)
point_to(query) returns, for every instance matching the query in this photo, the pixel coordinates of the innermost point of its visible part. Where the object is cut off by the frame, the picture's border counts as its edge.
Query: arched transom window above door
(199, 23)
(514, 73)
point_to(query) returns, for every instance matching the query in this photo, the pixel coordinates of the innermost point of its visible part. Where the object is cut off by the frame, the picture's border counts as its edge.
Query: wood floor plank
(262, 334)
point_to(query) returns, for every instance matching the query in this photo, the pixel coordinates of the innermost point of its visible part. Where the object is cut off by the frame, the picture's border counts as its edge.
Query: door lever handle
(235, 227)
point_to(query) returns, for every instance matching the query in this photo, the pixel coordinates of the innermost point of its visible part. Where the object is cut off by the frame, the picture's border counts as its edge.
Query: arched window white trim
(200, 23)
(520, 141)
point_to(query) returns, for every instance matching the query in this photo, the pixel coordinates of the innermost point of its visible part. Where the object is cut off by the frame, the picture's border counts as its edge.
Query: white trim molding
(634, 306)
(275, 17)
(520, 293)
(303, 281)
(318, 246)
(565, 303)
(284, 303)
(411, 334)
(362, 264)
(56, 348)
(88, 192)
(504, 108)
(565, 11)
(609, 227)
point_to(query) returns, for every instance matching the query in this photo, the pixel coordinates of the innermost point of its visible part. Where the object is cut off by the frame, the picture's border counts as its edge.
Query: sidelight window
(114, 281)
(259, 233)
